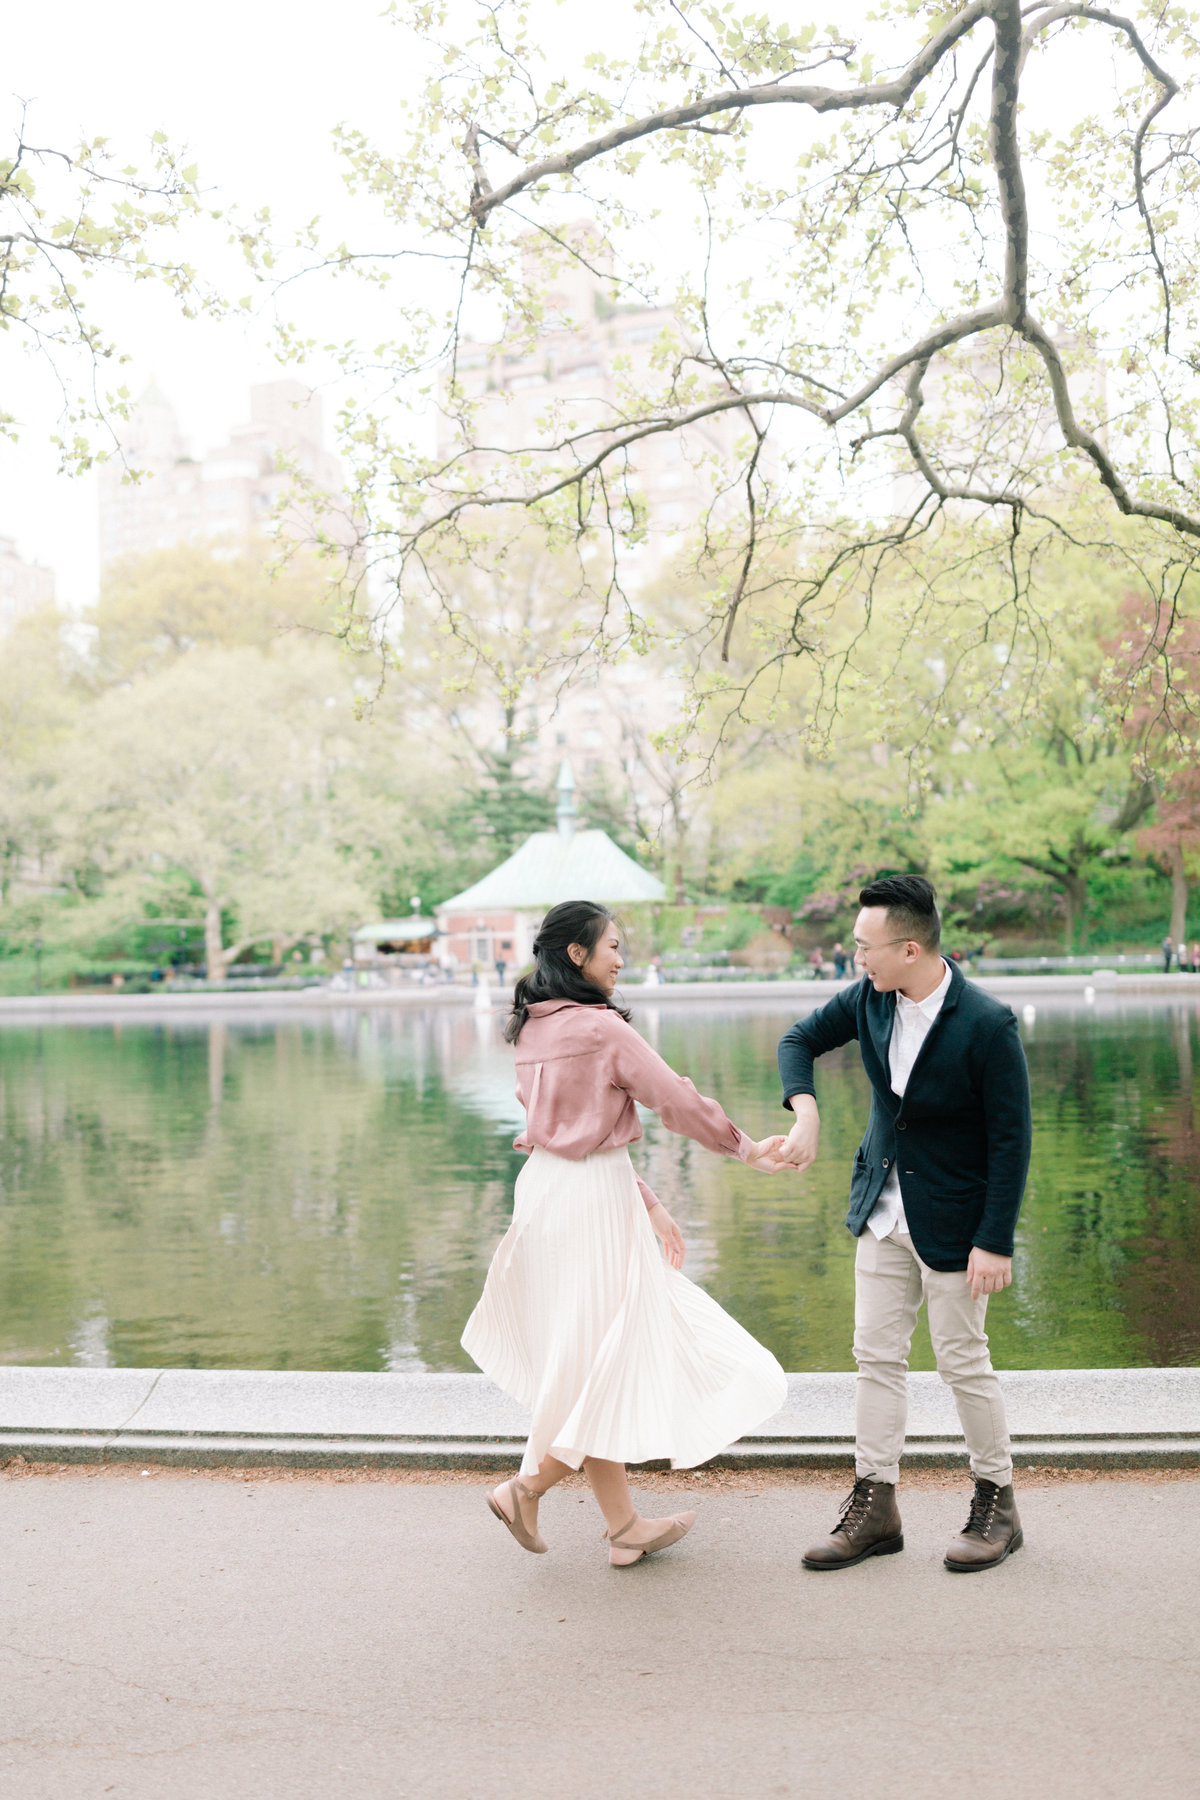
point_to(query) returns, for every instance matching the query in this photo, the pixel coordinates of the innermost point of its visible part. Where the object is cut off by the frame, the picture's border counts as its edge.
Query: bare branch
(1084, 440)
(895, 93)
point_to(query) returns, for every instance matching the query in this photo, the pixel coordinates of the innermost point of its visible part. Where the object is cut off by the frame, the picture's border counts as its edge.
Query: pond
(324, 1191)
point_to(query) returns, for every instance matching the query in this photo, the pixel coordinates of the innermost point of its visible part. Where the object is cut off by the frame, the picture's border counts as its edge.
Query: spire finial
(566, 802)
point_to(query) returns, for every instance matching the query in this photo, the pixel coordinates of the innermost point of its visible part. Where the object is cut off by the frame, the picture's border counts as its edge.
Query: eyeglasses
(865, 949)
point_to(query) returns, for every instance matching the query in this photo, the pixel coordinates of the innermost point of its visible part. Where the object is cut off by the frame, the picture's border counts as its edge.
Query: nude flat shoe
(679, 1527)
(528, 1540)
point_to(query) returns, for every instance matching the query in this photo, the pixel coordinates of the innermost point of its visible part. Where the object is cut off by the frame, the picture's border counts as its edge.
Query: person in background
(1168, 950)
(1196, 959)
(840, 960)
(816, 962)
(501, 966)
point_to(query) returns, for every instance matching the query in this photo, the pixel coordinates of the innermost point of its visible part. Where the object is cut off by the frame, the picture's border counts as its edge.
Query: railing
(1049, 965)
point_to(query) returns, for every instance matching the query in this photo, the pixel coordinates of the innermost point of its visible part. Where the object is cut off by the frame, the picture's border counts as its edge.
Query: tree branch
(894, 93)
(1083, 440)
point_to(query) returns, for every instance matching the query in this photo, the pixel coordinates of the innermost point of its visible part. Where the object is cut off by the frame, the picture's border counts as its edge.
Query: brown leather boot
(992, 1532)
(869, 1525)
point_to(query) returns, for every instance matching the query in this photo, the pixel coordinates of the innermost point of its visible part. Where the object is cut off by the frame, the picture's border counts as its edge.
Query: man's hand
(803, 1140)
(987, 1273)
(668, 1231)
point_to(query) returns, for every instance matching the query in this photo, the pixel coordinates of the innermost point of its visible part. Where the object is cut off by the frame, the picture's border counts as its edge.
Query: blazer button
(901, 1124)
(885, 1162)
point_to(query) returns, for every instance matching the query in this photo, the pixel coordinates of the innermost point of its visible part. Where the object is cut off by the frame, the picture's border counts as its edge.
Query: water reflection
(325, 1192)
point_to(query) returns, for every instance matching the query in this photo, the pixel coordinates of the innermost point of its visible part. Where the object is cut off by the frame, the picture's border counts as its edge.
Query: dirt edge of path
(663, 1481)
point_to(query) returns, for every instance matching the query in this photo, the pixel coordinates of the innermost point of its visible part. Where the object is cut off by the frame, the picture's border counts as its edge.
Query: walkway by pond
(323, 1191)
(194, 1637)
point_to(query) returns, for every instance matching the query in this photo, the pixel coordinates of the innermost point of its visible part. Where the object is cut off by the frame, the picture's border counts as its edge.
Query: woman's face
(605, 963)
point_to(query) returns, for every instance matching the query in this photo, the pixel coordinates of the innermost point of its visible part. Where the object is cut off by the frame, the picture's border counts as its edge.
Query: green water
(325, 1192)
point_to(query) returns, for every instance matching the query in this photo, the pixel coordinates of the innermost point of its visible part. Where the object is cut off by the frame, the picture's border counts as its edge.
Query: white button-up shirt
(910, 1028)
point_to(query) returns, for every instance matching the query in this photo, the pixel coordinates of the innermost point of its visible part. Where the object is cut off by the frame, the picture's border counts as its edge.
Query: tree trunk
(1182, 1027)
(1075, 893)
(1179, 892)
(214, 942)
(217, 1039)
(711, 852)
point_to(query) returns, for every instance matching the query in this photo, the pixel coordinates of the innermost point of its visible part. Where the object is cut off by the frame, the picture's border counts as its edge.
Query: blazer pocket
(953, 1217)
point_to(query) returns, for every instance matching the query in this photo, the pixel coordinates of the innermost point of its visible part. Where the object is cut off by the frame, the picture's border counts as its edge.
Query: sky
(254, 90)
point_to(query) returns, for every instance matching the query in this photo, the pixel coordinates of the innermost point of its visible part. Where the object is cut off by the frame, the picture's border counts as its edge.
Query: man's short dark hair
(911, 903)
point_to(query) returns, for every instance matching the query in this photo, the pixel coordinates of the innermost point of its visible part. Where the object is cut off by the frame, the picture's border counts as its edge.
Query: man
(934, 1198)
(1168, 950)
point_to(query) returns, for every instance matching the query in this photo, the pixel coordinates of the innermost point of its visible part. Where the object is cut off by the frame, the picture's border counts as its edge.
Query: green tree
(40, 705)
(1058, 806)
(1161, 696)
(242, 772)
(159, 606)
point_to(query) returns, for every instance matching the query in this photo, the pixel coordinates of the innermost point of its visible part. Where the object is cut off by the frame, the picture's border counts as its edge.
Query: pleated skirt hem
(616, 1354)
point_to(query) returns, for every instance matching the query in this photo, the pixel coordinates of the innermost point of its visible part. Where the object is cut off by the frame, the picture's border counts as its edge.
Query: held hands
(665, 1229)
(803, 1140)
(768, 1157)
(988, 1273)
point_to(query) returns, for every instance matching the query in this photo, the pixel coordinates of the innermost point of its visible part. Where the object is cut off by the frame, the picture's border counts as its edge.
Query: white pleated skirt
(615, 1353)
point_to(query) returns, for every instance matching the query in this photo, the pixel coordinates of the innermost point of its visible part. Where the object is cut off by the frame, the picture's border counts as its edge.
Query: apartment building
(575, 375)
(226, 498)
(24, 586)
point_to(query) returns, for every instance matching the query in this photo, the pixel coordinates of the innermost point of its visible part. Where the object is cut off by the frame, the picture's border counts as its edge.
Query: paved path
(190, 1638)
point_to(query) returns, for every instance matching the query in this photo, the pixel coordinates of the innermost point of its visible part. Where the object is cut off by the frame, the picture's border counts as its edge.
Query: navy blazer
(961, 1134)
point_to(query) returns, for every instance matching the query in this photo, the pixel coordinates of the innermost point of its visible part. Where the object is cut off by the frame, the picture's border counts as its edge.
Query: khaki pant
(890, 1281)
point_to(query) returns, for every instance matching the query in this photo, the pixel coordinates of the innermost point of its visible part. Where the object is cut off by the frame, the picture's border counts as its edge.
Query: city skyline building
(24, 585)
(575, 374)
(228, 497)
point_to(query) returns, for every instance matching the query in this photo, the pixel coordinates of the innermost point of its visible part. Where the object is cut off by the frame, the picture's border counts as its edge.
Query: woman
(618, 1356)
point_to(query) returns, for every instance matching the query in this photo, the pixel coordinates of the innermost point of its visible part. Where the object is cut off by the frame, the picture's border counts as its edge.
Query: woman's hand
(766, 1157)
(666, 1229)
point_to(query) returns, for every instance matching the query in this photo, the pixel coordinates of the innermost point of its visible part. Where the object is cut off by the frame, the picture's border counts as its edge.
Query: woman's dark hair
(554, 975)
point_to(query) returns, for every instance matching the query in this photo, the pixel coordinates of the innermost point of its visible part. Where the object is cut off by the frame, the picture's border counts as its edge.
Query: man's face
(879, 953)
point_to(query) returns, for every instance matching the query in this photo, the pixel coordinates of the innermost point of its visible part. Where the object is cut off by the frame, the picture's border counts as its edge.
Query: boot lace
(983, 1510)
(855, 1507)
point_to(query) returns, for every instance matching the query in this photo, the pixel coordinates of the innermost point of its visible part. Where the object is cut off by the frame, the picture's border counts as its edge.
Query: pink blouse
(580, 1070)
